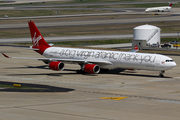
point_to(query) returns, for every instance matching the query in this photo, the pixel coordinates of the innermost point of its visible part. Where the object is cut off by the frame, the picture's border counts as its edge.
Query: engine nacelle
(91, 68)
(56, 65)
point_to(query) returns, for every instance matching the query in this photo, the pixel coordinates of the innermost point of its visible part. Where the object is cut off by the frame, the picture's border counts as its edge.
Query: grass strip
(27, 13)
(22, 87)
(97, 42)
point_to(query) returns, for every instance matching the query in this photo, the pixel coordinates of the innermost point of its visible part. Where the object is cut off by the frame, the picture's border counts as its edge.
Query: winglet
(5, 55)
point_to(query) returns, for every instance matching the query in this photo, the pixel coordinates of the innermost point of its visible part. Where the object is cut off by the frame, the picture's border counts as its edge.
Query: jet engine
(91, 68)
(56, 65)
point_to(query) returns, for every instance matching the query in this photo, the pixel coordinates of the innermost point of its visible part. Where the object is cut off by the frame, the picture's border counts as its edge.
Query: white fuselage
(158, 9)
(129, 60)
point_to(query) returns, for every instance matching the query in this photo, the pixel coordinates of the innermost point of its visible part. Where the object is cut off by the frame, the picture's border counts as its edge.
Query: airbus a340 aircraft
(159, 9)
(92, 60)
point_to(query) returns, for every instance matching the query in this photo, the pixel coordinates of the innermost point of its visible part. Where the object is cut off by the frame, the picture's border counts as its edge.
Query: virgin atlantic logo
(36, 39)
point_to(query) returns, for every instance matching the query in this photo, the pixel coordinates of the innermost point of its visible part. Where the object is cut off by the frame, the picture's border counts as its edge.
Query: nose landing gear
(161, 73)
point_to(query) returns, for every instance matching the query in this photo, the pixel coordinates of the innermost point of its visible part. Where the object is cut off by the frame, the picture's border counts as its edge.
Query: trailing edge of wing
(133, 50)
(63, 60)
(76, 60)
(82, 61)
(32, 49)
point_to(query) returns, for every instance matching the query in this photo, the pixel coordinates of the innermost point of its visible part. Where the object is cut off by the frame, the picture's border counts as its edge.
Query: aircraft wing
(133, 50)
(64, 60)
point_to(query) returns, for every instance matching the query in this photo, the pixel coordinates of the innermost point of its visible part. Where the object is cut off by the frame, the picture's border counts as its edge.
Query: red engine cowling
(56, 65)
(91, 68)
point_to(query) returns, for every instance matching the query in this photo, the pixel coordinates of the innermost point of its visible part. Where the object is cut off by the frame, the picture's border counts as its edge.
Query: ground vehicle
(176, 45)
(166, 45)
(174, 42)
(155, 45)
(5, 16)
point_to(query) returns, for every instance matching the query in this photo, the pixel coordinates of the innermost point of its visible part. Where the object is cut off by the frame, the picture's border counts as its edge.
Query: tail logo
(170, 4)
(36, 39)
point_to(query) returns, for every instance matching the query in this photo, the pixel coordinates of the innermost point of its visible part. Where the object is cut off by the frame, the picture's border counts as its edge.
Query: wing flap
(31, 48)
(77, 60)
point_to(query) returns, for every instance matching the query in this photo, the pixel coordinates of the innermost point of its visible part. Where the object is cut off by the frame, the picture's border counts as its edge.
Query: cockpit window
(169, 60)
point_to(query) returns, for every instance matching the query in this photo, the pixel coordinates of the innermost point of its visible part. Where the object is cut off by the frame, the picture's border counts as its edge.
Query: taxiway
(147, 96)
(130, 94)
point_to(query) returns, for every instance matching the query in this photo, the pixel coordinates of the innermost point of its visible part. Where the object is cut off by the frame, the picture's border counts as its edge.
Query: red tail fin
(37, 39)
(170, 4)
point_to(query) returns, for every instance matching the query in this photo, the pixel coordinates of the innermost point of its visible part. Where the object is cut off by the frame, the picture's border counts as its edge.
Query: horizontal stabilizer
(31, 48)
(5, 55)
(51, 44)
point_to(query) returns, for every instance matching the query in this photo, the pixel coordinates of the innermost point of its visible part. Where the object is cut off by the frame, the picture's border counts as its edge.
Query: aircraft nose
(174, 64)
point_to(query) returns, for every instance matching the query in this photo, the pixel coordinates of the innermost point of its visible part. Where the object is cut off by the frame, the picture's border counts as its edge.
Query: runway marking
(113, 98)
(136, 96)
(67, 80)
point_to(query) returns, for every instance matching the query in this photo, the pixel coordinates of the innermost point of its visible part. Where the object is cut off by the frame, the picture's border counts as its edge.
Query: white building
(146, 32)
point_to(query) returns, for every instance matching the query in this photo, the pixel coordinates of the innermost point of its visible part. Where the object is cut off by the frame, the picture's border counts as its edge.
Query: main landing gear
(104, 70)
(80, 71)
(161, 73)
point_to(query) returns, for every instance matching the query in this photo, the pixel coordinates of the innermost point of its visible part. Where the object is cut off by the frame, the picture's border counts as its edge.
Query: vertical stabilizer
(170, 4)
(37, 39)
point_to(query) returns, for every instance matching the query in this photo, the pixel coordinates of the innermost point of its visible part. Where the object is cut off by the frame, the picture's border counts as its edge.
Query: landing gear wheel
(104, 70)
(80, 71)
(161, 73)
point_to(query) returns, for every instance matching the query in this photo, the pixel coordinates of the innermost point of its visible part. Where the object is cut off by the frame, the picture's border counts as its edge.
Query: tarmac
(116, 95)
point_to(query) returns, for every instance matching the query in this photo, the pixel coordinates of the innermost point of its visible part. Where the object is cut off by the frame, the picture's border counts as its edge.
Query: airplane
(92, 61)
(159, 9)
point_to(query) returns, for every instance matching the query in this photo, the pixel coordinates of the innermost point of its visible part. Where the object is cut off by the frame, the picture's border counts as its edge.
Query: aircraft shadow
(140, 75)
(26, 87)
(38, 67)
(51, 74)
(118, 71)
(87, 74)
